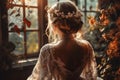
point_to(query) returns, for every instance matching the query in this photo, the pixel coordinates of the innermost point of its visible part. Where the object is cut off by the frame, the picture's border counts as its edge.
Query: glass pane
(51, 2)
(31, 2)
(92, 14)
(92, 4)
(18, 40)
(15, 17)
(81, 4)
(31, 15)
(18, 2)
(32, 42)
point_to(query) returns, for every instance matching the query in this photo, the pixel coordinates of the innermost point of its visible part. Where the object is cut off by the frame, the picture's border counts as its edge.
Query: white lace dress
(49, 68)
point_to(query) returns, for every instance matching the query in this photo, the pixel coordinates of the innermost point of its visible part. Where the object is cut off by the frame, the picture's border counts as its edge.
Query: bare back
(73, 54)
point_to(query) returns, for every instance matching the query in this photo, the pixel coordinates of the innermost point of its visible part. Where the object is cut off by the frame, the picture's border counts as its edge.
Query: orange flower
(92, 21)
(106, 22)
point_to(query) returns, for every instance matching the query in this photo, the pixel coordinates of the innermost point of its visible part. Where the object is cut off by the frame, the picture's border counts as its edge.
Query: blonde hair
(66, 16)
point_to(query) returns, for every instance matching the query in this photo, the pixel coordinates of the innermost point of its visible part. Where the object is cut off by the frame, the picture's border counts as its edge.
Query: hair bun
(67, 16)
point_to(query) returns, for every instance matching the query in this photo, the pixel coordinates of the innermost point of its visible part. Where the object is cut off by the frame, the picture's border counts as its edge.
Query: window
(88, 7)
(51, 2)
(26, 23)
(25, 26)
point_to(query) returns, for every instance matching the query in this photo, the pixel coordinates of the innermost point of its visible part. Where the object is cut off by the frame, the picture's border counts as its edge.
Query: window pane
(18, 2)
(15, 17)
(31, 15)
(18, 40)
(92, 4)
(31, 2)
(81, 4)
(51, 2)
(91, 14)
(32, 42)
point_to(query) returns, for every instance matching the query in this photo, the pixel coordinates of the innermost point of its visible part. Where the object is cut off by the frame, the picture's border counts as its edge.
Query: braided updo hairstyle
(66, 16)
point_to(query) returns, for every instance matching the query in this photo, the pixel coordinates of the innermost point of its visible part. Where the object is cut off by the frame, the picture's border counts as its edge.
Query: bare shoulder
(83, 42)
(85, 45)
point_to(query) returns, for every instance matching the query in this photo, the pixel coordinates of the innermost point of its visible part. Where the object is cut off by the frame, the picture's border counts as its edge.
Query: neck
(66, 37)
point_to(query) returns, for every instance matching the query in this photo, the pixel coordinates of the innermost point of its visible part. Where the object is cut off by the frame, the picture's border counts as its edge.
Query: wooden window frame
(85, 11)
(41, 24)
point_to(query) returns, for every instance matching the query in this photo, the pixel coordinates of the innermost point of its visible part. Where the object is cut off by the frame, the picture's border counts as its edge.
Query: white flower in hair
(68, 15)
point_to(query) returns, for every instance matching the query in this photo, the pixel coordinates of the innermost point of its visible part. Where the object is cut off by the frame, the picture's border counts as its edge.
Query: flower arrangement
(105, 27)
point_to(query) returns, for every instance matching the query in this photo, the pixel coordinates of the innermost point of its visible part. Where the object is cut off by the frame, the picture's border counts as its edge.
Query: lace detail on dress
(58, 69)
(49, 68)
(41, 69)
(90, 72)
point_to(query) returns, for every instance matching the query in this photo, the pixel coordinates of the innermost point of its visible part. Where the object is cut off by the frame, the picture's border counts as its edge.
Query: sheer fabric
(49, 68)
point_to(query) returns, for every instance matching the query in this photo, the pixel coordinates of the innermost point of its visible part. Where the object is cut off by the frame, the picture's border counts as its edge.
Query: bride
(66, 57)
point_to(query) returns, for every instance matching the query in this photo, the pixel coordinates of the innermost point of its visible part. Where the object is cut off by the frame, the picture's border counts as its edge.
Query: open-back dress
(50, 68)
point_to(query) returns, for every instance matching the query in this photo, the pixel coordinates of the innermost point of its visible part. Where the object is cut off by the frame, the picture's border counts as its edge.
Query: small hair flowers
(57, 13)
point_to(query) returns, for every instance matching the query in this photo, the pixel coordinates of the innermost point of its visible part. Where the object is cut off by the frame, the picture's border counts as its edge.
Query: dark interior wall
(16, 74)
(0, 28)
(3, 20)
